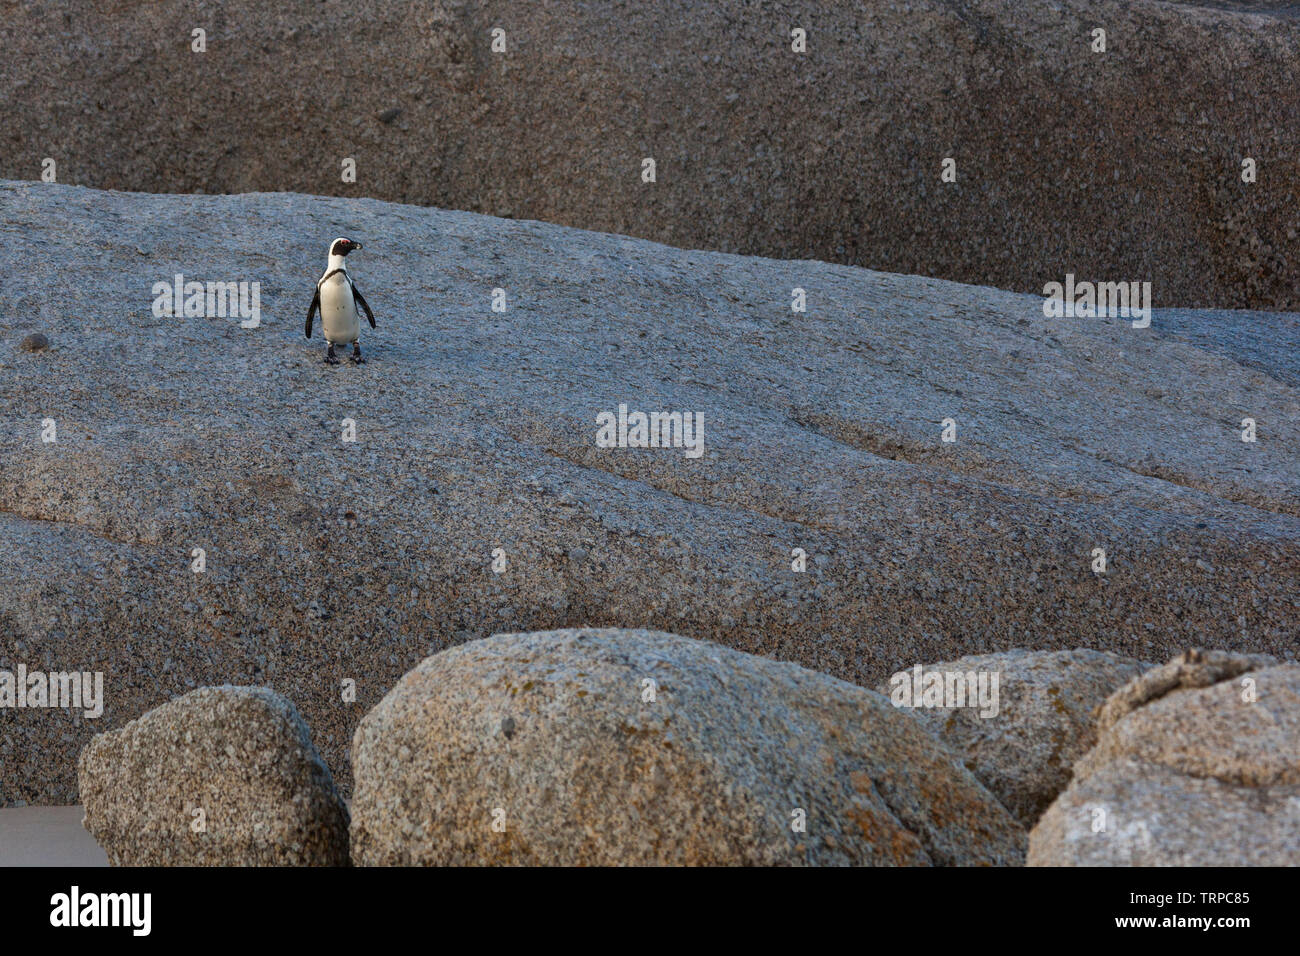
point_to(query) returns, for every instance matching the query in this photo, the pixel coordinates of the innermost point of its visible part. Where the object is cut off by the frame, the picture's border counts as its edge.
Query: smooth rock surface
(240, 755)
(1114, 166)
(1045, 719)
(328, 561)
(1198, 776)
(47, 836)
(558, 738)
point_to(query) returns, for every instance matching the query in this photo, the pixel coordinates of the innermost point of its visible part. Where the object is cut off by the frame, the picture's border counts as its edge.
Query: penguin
(340, 302)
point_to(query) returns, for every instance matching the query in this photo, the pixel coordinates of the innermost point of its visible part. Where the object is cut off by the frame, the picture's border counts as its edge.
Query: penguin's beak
(356, 245)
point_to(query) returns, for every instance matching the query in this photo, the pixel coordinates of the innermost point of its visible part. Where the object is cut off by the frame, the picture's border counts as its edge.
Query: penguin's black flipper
(359, 299)
(311, 313)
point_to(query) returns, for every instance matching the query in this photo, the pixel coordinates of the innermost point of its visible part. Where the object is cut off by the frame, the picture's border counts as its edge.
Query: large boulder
(332, 563)
(1042, 721)
(1192, 669)
(223, 776)
(1113, 166)
(1205, 773)
(637, 747)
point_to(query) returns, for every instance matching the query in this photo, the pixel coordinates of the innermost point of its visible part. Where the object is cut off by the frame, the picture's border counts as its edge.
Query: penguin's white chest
(338, 311)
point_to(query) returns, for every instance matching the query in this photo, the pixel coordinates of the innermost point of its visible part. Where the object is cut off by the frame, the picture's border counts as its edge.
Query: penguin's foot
(330, 357)
(356, 354)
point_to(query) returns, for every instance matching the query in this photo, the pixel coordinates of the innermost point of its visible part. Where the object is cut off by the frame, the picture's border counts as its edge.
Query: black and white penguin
(340, 302)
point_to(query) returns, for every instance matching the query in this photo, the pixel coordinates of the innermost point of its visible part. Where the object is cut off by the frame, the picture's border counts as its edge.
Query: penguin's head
(342, 246)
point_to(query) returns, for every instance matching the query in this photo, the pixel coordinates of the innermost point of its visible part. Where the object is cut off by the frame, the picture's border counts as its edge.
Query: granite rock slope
(222, 776)
(1204, 771)
(630, 747)
(331, 567)
(1114, 166)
